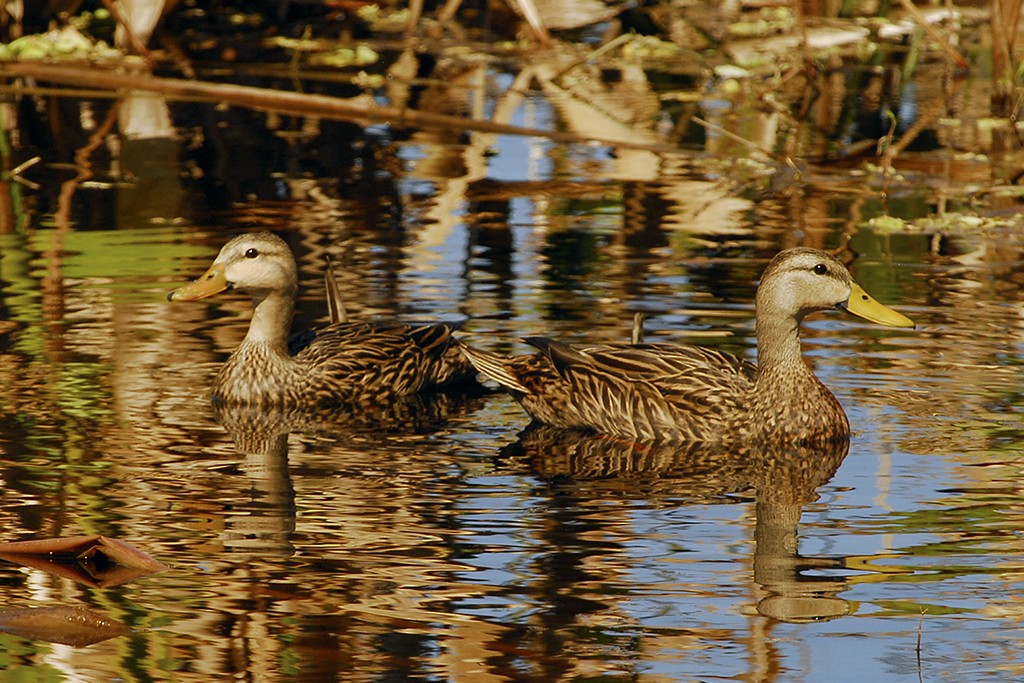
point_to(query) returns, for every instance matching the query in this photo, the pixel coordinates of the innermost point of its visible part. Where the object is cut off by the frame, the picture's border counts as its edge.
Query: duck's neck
(260, 369)
(782, 373)
(271, 320)
(788, 399)
(778, 346)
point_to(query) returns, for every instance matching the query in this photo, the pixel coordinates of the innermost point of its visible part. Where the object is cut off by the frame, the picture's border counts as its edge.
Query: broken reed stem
(805, 46)
(1004, 29)
(361, 110)
(920, 628)
(15, 173)
(637, 336)
(530, 12)
(415, 14)
(886, 150)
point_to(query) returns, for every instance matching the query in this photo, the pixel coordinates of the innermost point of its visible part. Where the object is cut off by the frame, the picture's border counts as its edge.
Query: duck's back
(344, 363)
(646, 391)
(361, 360)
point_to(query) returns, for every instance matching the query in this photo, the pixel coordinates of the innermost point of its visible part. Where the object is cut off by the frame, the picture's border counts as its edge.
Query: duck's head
(800, 281)
(260, 263)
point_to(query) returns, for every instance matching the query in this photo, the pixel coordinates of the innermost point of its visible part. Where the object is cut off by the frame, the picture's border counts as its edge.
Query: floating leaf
(73, 626)
(93, 560)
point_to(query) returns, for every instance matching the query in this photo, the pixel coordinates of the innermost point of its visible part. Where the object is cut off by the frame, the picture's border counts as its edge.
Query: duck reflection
(781, 480)
(265, 525)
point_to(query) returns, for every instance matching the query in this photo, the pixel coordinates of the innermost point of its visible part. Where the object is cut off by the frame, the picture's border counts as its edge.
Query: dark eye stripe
(252, 252)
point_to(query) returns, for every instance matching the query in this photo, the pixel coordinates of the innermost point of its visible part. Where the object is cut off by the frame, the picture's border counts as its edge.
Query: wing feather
(644, 390)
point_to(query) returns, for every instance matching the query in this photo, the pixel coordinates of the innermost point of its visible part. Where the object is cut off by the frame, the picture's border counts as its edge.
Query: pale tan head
(260, 263)
(801, 280)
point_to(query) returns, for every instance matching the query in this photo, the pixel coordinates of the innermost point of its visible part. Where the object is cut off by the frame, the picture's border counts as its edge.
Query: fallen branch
(361, 109)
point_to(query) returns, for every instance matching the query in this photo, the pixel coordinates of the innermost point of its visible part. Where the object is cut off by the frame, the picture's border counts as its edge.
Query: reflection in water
(307, 547)
(310, 547)
(264, 526)
(395, 582)
(60, 624)
(95, 561)
(781, 480)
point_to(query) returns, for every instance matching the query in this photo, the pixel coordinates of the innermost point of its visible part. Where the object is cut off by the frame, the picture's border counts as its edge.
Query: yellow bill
(863, 304)
(211, 282)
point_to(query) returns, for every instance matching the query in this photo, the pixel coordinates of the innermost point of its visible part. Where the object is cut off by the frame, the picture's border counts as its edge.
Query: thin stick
(920, 627)
(83, 163)
(449, 10)
(535, 20)
(732, 136)
(15, 173)
(933, 33)
(415, 14)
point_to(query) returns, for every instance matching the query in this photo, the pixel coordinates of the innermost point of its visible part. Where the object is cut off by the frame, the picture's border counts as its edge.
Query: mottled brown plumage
(672, 392)
(341, 363)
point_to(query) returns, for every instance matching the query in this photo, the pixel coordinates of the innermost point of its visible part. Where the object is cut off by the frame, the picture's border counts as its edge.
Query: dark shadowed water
(444, 543)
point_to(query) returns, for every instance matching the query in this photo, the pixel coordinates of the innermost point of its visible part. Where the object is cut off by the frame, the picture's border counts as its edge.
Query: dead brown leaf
(92, 560)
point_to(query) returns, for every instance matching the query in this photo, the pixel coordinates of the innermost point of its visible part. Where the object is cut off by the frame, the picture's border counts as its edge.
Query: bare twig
(297, 53)
(448, 11)
(1005, 19)
(607, 47)
(15, 173)
(529, 10)
(415, 14)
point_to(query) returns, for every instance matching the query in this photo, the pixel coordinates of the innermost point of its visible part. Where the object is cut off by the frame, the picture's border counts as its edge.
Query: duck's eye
(252, 252)
(819, 269)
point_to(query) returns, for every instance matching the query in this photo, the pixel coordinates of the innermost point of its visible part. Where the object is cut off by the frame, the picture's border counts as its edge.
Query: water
(447, 544)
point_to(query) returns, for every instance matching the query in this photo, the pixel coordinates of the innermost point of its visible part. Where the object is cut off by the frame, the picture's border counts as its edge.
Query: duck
(664, 392)
(345, 362)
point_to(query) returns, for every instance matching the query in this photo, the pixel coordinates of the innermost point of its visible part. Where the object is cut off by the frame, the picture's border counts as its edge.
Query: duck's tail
(494, 367)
